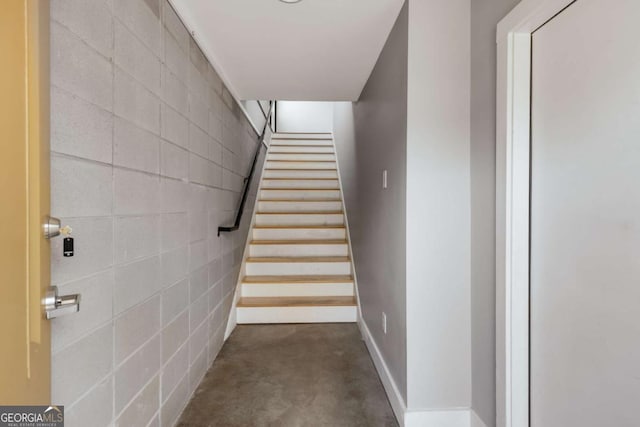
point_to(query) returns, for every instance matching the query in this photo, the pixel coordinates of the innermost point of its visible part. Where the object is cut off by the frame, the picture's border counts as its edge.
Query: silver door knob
(56, 305)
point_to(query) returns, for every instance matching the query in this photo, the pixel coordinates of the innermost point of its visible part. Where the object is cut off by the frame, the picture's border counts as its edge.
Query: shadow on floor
(291, 375)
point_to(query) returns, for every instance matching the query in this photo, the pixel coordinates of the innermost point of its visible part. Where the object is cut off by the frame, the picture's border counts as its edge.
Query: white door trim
(512, 206)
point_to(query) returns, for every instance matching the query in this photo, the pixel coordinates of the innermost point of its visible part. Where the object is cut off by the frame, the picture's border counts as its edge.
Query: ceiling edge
(384, 43)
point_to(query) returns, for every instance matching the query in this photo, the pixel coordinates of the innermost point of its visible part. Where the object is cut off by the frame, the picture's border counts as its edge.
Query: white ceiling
(320, 50)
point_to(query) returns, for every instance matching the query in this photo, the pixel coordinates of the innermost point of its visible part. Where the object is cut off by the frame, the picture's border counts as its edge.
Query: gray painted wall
(485, 15)
(361, 164)
(148, 155)
(438, 199)
(370, 136)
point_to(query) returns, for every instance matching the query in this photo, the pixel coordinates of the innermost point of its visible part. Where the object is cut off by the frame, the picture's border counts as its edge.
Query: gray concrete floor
(291, 375)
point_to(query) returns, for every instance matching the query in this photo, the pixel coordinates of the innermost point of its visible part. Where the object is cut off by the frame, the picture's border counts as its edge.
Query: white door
(585, 217)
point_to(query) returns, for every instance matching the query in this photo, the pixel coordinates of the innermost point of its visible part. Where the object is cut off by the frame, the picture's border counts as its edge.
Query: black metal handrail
(247, 180)
(269, 117)
(262, 110)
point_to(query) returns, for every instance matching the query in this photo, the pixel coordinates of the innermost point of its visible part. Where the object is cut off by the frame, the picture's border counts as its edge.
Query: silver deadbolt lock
(56, 305)
(51, 228)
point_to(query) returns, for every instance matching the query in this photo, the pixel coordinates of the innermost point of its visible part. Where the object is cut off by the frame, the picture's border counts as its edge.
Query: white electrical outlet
(385, 183)
(384, 322)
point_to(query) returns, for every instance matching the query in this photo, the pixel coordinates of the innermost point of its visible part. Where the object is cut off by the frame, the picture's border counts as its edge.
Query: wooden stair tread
(300, 161)
(297, 301)
(299, 226)
(299, 189)
(300, 259)
(300, 200)
(301, 139)
(298, 279)
(300, 242)
(302, 213)
(299, 179)
(302, 133)
(330, 153)
(296, 169)
(300, 145)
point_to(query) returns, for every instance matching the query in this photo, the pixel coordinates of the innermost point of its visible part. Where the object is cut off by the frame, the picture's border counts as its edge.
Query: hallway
(291, 375)
(266, 213)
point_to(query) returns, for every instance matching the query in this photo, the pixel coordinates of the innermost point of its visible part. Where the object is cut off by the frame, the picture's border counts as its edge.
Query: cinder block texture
(148, 155)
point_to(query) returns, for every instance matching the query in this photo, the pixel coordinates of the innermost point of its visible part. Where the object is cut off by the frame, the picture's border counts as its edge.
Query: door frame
(513, 131)
(25, 367)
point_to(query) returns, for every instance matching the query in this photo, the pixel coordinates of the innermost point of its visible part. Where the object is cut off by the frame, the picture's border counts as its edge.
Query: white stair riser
(300, 194)
(290, 149)
(301, 135)
(297, 268)
(300, 183)
(296, 289)
(296, 314)
(298, 233)
(273, 206)
(300, 165)
(299, 219)
(283, 250)
(298, 174)
(302, 157)
(301, 142)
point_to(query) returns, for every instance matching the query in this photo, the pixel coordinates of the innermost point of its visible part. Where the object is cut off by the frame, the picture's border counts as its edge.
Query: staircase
(298, 268)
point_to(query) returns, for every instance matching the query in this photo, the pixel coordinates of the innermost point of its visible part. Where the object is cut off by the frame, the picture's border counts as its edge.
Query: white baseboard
(476, 421)
(462, 417)
(393, 393)
(438, 418)
(454, 417)
(232, 322)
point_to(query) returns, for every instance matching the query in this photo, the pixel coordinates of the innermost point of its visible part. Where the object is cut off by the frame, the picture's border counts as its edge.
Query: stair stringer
(232, 318)
(348, 232)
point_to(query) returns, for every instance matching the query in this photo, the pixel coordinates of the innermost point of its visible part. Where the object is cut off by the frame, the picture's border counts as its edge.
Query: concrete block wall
(149, 151)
